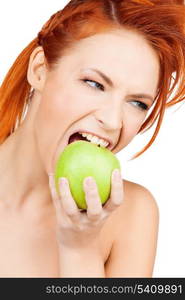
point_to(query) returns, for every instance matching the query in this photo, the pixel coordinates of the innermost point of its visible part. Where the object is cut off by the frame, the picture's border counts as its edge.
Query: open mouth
(79, 136)
(76, 137)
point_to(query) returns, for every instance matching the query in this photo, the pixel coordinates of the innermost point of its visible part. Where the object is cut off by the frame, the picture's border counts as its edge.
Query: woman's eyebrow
(105, 77)
(110, 83)
(141, 96)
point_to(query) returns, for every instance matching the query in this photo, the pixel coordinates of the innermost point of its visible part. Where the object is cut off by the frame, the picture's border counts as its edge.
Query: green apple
(81, 159)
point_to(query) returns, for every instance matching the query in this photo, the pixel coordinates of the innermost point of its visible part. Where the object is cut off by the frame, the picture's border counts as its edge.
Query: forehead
(123, 55)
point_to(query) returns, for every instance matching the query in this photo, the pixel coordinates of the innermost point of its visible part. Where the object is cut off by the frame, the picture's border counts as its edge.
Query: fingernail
(89, 181)
(117, 174)
(63, 181)
(50, 179)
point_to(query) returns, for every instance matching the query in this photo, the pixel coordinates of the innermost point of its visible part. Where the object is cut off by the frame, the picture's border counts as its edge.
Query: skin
(118, 240)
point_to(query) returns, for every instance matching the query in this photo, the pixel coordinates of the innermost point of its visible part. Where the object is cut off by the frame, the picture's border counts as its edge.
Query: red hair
(161, 22)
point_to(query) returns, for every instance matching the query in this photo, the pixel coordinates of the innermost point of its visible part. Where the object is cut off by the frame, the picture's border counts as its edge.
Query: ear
(37, 70)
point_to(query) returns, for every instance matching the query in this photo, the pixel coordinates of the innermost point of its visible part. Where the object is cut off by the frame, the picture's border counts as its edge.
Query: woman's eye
(140, 105)
(94, 84)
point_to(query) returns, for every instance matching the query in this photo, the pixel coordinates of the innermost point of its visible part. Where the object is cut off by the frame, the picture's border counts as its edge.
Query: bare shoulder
(138, 202)
(138, 196)
(134, 230)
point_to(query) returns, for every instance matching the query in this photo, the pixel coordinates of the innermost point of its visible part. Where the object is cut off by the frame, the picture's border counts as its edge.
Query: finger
(68, 203)
(117, 192)
(94, 206)
(54, 194)
(52, 185)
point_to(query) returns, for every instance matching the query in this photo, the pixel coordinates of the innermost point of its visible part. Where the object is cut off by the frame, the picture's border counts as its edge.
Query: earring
(31, 92)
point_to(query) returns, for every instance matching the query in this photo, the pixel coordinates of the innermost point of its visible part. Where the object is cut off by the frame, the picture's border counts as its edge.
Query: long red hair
(161, 22)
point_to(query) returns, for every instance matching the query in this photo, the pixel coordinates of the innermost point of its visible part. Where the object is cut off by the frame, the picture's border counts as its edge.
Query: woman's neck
(23, 182)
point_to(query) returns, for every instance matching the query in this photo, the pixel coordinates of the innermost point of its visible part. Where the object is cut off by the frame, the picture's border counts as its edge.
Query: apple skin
(81, 159)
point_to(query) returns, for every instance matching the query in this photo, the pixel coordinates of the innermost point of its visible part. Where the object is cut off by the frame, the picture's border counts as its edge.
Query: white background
(161, 169)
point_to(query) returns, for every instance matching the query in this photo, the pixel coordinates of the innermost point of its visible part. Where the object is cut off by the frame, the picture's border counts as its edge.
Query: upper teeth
(94, 139)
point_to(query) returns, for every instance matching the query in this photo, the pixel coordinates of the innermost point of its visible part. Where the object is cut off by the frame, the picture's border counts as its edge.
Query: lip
(110, 146)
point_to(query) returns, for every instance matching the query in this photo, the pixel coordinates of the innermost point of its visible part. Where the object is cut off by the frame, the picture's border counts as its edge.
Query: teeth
(89, 137)
(94, 139)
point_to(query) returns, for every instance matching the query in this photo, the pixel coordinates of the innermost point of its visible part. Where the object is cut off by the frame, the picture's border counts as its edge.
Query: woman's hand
(79, 229)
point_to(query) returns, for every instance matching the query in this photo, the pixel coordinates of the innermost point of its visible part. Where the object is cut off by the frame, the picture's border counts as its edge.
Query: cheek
(51, 121)
(131, 129)
(57, 112)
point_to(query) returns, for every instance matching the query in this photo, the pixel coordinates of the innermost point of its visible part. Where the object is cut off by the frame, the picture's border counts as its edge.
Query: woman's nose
(110, 119)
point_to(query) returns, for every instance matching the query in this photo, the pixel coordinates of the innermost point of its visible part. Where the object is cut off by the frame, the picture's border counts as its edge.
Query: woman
(102, 67)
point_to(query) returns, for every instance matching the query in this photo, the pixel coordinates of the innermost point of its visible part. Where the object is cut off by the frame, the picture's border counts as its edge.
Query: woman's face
(76, 97)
